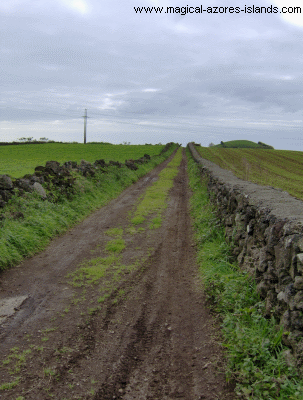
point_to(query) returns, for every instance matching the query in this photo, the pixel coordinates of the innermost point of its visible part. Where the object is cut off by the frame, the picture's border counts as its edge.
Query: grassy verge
(42, 220)
(256, 357)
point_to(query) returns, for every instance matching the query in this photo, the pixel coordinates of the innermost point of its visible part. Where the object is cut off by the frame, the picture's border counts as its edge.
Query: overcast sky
(151, 77)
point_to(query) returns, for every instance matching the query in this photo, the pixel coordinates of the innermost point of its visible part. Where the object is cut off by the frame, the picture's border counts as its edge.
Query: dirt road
(141, 331)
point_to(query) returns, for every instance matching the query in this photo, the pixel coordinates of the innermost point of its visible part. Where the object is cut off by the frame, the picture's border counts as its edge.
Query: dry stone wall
(265, 226)
(59, 176)
(54, 174)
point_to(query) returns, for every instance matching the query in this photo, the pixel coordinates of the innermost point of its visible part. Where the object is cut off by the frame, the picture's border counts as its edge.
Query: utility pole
(85, 123)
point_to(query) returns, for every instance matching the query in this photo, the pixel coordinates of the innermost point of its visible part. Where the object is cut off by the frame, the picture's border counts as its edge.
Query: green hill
(243, 144)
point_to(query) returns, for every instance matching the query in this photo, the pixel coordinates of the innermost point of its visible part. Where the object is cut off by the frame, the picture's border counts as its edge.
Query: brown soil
(151, 338)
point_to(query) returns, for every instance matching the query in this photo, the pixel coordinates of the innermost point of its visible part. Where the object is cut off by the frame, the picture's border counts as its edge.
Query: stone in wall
(40, 190)
(6, 189)
(6, 182)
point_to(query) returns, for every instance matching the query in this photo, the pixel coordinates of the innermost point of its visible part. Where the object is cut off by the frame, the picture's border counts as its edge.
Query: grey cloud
(56, 59)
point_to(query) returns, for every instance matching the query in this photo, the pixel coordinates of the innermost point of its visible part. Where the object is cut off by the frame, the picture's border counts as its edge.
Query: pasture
(278, 168)
(19, 160)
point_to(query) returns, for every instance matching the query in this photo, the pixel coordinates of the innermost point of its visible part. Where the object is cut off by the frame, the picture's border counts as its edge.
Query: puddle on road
(9, 306)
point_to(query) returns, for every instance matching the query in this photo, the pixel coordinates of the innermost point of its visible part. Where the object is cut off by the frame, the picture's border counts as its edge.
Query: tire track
(152, 343)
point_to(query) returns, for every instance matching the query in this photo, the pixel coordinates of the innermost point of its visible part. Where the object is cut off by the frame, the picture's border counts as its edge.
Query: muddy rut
(142, 332)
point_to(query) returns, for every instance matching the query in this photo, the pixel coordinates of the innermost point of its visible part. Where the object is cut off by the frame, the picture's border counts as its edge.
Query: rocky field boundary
(265, 226)
(60, 176)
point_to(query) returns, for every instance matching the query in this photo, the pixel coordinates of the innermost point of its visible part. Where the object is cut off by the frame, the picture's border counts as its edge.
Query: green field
(19, 160)
(278, 168)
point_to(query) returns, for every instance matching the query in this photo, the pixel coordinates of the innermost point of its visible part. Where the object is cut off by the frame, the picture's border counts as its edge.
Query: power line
(49, 113)
(95, 115)
(38, 111)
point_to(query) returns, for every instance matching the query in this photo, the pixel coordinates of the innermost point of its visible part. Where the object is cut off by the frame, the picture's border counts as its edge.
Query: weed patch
(115, 232)
(137, 220)
(254, 349)
(93, 270)
(115, 246)
(131, 230)
(103, 298)
(10, 385)
(156, 223)
(18, 357)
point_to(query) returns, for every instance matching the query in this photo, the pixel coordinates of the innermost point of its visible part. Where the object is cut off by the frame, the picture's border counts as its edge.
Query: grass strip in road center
(257, 359)
(155, 199)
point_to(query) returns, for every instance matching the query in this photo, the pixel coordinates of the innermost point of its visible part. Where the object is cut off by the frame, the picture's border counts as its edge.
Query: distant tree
(211, 144)
(126, 143)
(265, 146)
(43, 139)
(25, 139)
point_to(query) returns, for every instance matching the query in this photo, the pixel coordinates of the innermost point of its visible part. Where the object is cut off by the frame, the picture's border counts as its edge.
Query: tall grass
(42, 220)
(256, 357)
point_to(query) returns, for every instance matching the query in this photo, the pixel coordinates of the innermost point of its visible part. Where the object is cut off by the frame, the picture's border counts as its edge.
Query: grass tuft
(9, 385)
(115, 246)
(115, 232)
(92, 271)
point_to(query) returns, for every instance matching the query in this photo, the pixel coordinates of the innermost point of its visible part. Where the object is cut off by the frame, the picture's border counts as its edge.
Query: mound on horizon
(243, 144)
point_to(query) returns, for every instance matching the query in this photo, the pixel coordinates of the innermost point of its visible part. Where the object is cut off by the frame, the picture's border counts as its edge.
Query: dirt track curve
(151, 338)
